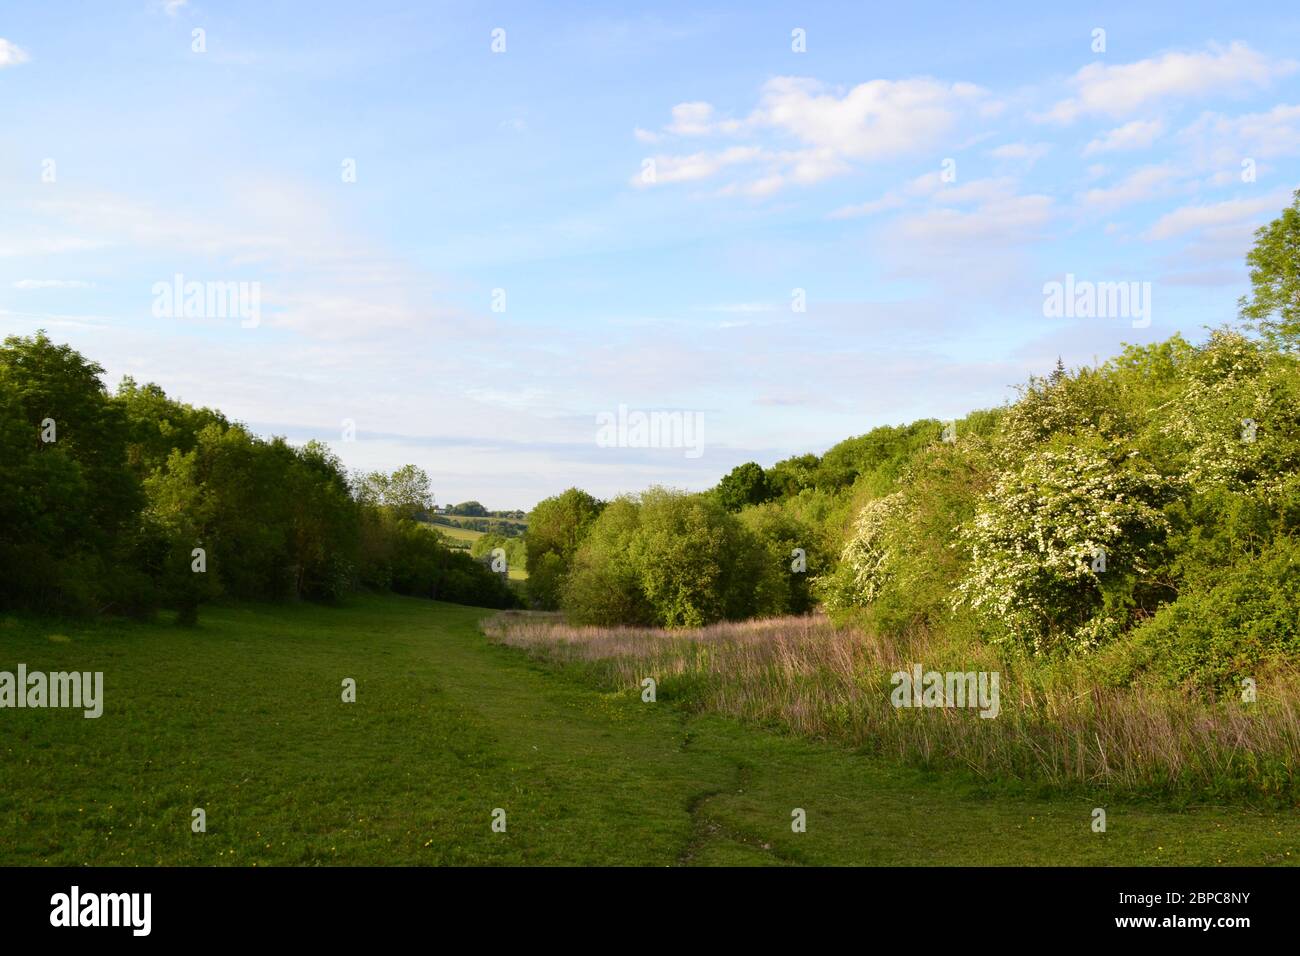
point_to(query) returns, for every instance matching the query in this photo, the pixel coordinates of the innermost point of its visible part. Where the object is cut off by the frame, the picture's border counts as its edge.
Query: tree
(408, 492)
(158, 424)
(792, 475)
(878, 457)
(556, 527)
(487, 543)
(601, 584)
(1274, 305)
(669, 558)
(67, 500)
(1062, 543)
(745, 485)
(405, 493)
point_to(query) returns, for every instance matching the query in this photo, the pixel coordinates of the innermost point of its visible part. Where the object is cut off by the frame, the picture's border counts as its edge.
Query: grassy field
(243, 718)
(1057, 726)
(469, 536)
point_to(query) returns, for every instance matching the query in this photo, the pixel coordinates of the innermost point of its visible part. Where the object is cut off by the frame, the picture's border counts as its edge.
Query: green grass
(469, 536)
(243, 717)
(457, 533)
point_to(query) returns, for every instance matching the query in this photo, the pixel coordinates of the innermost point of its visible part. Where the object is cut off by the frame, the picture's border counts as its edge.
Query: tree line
(130, 501)
(1143, 512)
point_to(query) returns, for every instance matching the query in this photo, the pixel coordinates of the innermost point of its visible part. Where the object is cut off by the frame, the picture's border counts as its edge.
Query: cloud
(1147, 182)
(931, 185)
(1224, 141)
(11, 54)
(317, 276)
(1236, 215)
(696, 166)
(1138, 134)
(27, 284)
(882, 119)
(1028, 153)
(740, 307)
(1101, 89)
(834, 130)
(870, 208)
(998, 221)
(695, 118)
(976, 190)
(48, 246)
(691, 119)
(173, 7)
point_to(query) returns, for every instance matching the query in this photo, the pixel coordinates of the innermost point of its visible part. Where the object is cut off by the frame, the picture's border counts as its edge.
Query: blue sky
(647, 188)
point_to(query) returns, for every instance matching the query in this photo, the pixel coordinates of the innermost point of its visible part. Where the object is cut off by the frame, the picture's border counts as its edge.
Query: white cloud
(758, 188)
(49, 246)
(11, 54)
(28, 284)
(878, 120)
(692, 119)
(1236, 215)
(971, 255)
(743, 308)
(1028, 153)
(986, 191)
(874, 121)
(696, 166)
(695, 118)
(1147, 182)
(1001, 221)
(869, 208)
(1225, 140)
(1102, 89)
(1138, 134)
(976, 190)
(316, 275)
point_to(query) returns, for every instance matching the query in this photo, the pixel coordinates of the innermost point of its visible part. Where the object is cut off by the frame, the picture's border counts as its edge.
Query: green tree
(408, 492)
(1274, 304)
(70, 505)
(405, 493)
(668, 558)
(744, 485)
(556, 526)
(513, 547)
(602, 583)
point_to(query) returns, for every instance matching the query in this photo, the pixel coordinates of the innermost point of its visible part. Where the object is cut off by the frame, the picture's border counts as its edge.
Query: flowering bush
(1238, 417)
(865, 562)
(1058, 544)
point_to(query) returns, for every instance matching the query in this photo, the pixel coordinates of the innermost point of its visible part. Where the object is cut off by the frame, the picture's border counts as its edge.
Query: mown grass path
(243, 718)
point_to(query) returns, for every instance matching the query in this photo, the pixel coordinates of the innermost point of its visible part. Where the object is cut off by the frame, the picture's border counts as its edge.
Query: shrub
(1242, 626)
(1061, 545)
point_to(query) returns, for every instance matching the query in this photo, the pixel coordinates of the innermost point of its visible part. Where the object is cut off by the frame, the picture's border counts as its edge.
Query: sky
(469, 234)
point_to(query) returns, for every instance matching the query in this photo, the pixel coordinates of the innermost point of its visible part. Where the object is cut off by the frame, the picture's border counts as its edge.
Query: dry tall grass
(1060, 726)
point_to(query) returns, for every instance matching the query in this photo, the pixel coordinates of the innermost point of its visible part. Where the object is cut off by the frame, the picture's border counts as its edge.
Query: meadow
(243, 716)
(1060, 727)
(467, 537)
